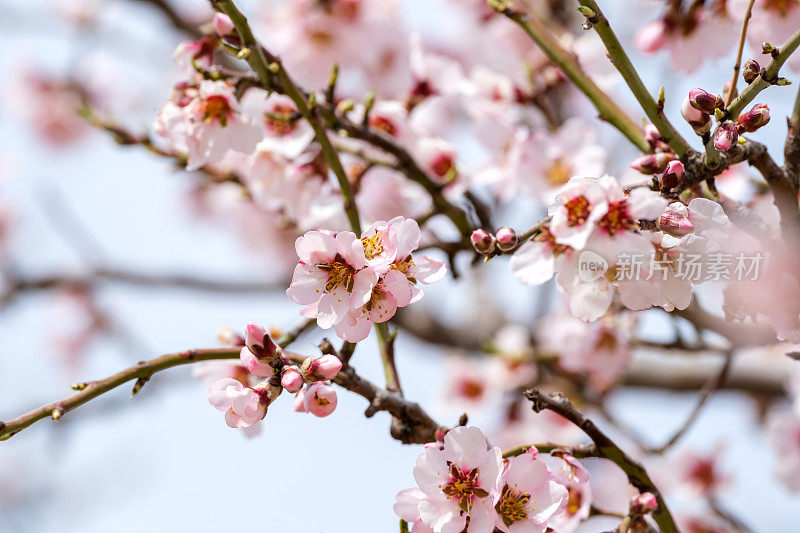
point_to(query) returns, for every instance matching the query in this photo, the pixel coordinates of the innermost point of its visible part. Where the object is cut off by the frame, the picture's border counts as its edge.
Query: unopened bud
(704, 101)
(260, 343)
(652, 163)
(726, 136)
(321, 368)
(292, 379)
(675, 224)
(782, 82)
(651, 135)
(483, 241)
(586, 12)
(644, 503)
(223, 24)
(751, 70)
(755, 118)
(767, 48)
(506, 239)
(673, 175)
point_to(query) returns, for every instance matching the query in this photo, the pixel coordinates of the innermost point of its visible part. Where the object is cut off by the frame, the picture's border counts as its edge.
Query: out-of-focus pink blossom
(242, 405)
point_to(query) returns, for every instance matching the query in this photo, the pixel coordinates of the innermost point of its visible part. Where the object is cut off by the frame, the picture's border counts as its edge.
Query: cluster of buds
(662, 162)
(318, 397)
(751, 70)
(727, 134)
(263, 358)
(504, 240)
(697, 109)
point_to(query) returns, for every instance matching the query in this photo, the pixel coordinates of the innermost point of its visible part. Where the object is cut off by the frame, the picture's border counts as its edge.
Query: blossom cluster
(351, 282)
(594, 222)
(244, 405)
(465, 485)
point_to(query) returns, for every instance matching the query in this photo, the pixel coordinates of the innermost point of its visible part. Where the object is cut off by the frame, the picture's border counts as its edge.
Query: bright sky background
(165, 461)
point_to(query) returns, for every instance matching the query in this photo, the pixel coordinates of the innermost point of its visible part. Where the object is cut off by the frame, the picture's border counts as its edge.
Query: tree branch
(620, 60)
(606, 448)
(608, 109)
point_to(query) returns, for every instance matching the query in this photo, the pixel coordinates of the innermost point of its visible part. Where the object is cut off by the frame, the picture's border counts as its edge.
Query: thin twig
(637, 475)
(712, 386)
(738, 64)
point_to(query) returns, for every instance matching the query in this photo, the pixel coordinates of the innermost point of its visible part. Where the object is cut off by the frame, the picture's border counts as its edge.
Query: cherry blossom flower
(205, 121)
(457, 484)
(242, 405)
(527, 495)
(253, 365)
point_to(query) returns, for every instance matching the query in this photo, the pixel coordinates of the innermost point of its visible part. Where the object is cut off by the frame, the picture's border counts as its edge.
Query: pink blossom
(456, 482)
(783, 429)
(651, 37)
(253, 365)
(320, 399)
(570, 473)
(330, 273)
(205, 121)
(527, 495)
(242, 405)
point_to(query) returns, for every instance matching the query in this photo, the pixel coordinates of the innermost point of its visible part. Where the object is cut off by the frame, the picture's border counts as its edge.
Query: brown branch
(176, 19)
(606, 448)
(16, 286)
(738, 64)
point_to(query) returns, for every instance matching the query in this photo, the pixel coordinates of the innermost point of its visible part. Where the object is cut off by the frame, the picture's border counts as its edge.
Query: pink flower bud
(675, 224)
(651, 37)
(726, 136)
(652, 163)
(506, 239)
(253, 365)
(483, 241)
(673, 175)
(644, 503)
(689, 113)
(291, 379)
(651, 135)
(755, 118)
(704, 101)
(223, 24)
(259, 342)
(751, 70)
(321, 368)
(320, 399)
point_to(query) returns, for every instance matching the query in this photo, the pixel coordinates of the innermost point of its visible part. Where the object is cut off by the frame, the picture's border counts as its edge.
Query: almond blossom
(352, 283)
(242, 405)
(457, 483)
(205, 121)
(528, 495)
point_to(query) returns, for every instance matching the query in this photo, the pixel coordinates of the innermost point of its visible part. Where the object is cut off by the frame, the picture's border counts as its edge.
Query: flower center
(470, 388)
(373, 246)
(547, 237)
(383, 124)
(443, 166)
(574, 502)
(462, 486)
(405, 267)
(281, 121)
(617, 218)
(578, 210)
(783, 7)
(607, 341)
(340, 274)
(216, 107)
(512, 505)
(558, 173)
